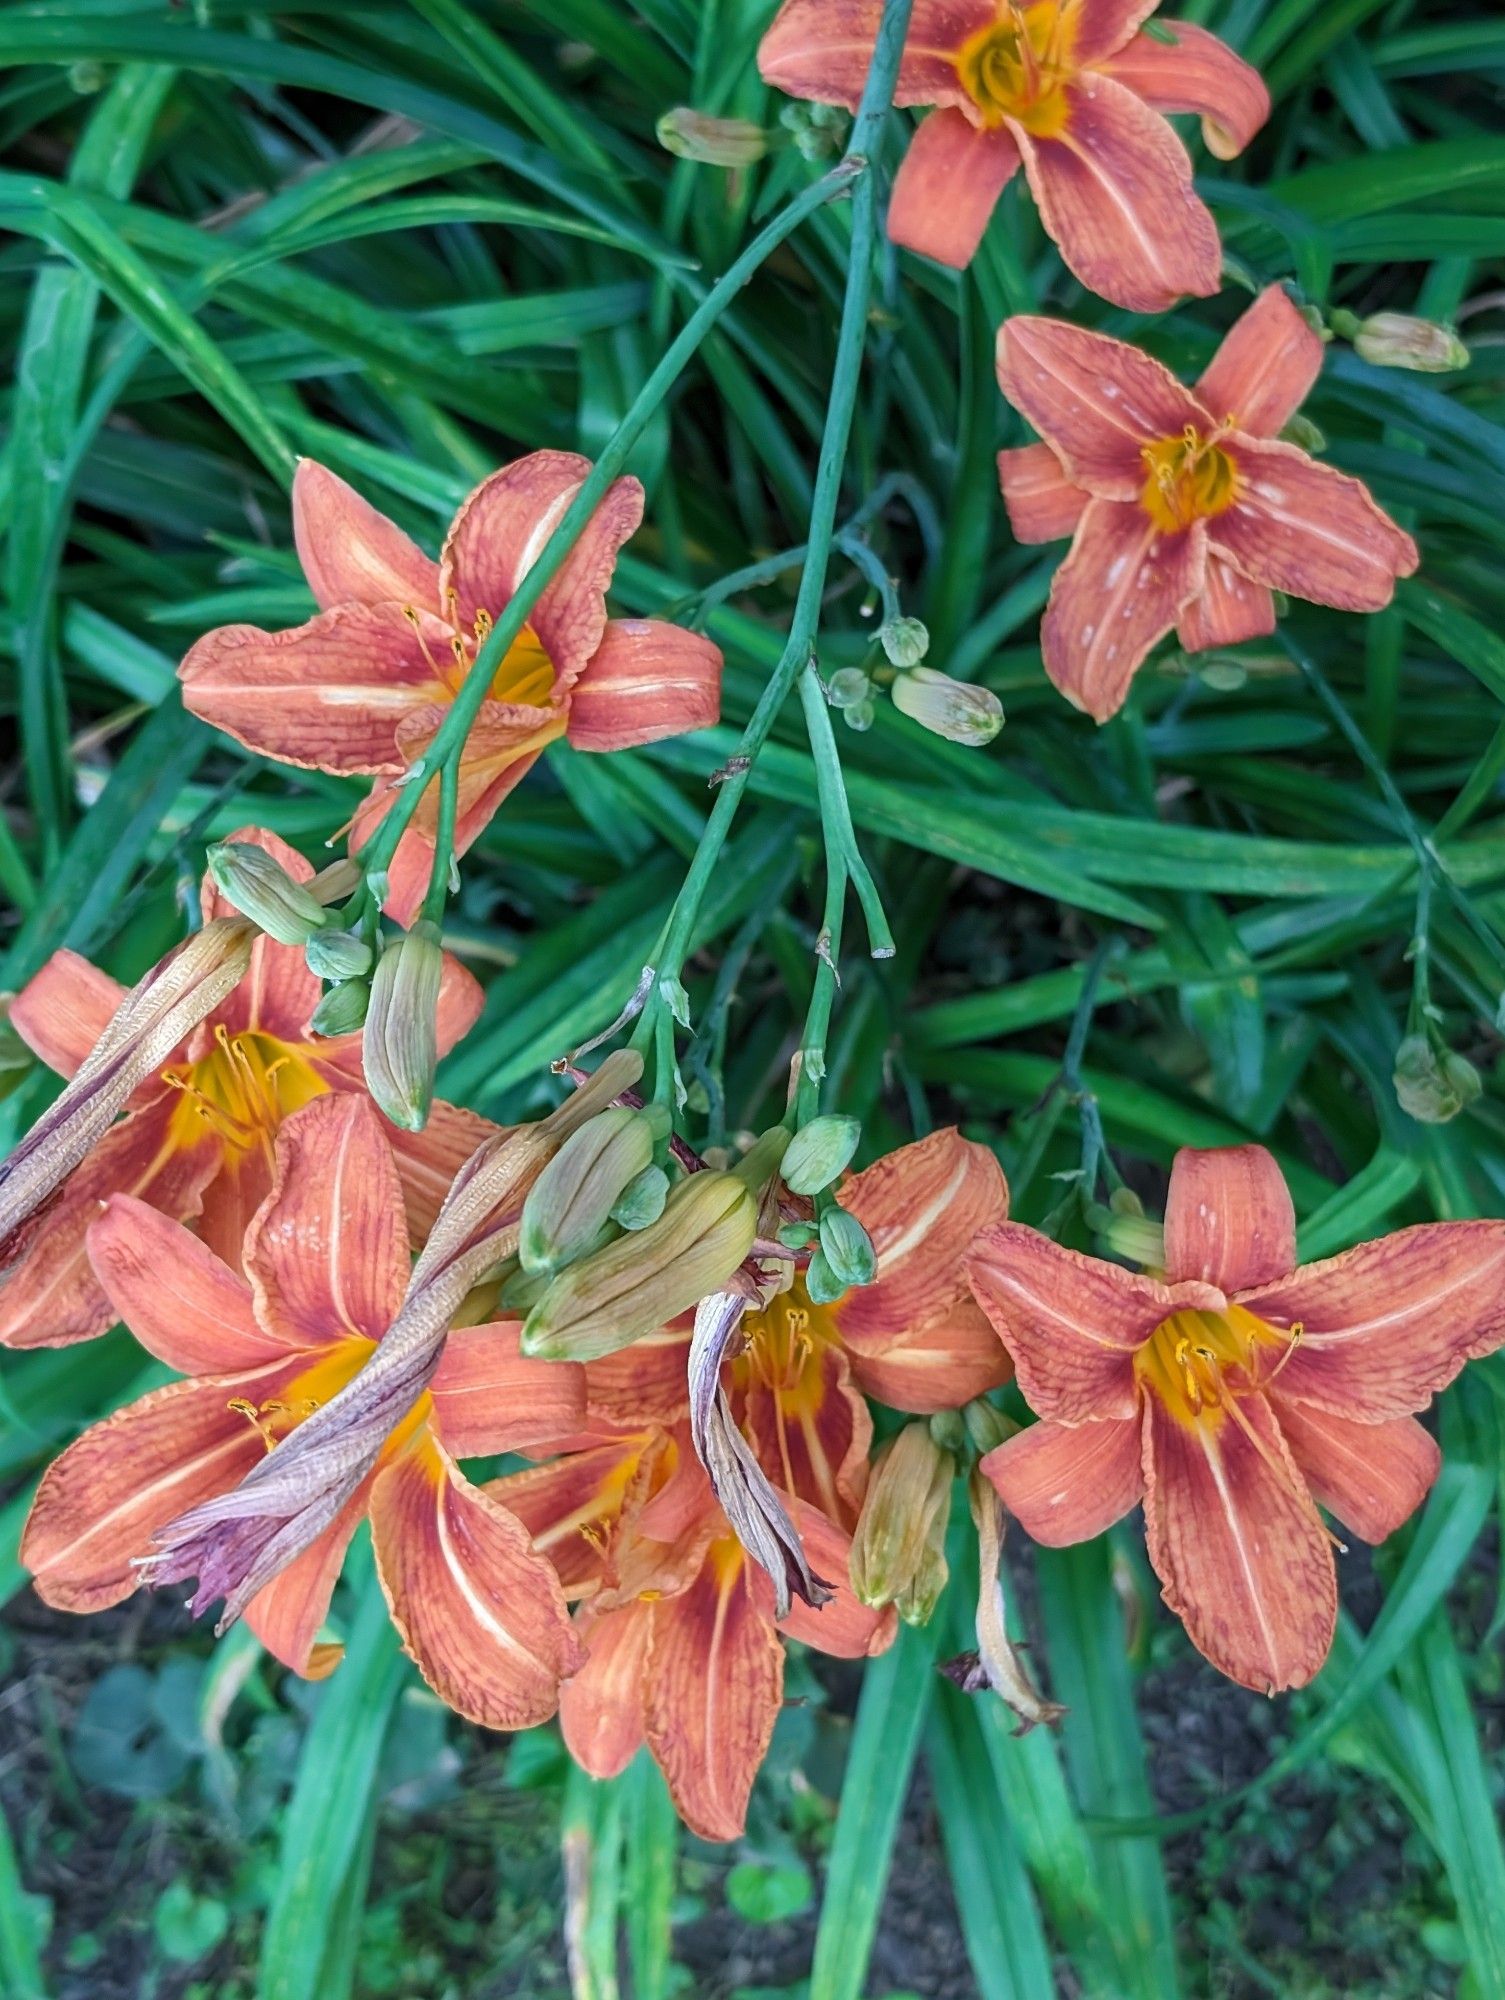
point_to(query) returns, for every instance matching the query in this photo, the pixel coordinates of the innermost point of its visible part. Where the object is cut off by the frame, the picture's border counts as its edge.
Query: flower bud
(337, 955)
(261, 889)
(1300, 430)
(572, 1199)
(1398, 340)
(847, 687)
(818, 1152)
(1433, 1084)
(401, 1050)
(859, 716)
(342, 1010)
(714, 142)
(642, 1200)
(905, 640)
(954, 709)
(899, 1549)
(821, 1282)
(847, 1248)
(640, 1282)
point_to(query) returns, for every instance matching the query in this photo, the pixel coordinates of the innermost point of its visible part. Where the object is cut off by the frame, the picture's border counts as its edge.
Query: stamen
(1294, 1332)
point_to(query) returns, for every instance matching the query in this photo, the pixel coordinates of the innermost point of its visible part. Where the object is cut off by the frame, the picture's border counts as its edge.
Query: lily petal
(572, 1506)
(843, 1627)
(184, 1304)
(488, 1397)
(948, 185)
(822, 49)
(944, 1365)
(62, 1010)
(1194, 71)
(1043, 504)
(1072, 1323)
(1387, 1325)
(812, 1438)
(327, 1252)
(713, 1681)
(100, 1502)
(1098, 28)
(50, 1297)
(1228, 1218)
(1120, 590)
(501, 529)
(1302, 528)
(480, 1613)
(350, 553)
(1096, 401)
(428, 1161)
(1372, 1476)
(1228, 610)
(1264, 371)
(287, 1614)
(1067, 1483)
(922, 1206)
(646, 680)
(327, 695)
(601, 1707)
(1242, 1557)
(1114, 190)
(647, 1382)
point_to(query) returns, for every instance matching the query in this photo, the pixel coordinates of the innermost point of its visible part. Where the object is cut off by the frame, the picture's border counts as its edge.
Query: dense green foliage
(413, 241)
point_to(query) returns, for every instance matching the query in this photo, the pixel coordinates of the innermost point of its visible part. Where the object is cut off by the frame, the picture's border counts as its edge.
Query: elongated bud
(151, 1021)
(996, 1664)
(905, 640)
(337, 955)
(642, 1281)
(899, 1549)
(1433, 1083)
(401, 1049)
(713, 142)
(642, 1200)
(954, 709)
(261, 888)
(848, 1248)
(1397, 340)
(342, 1010)
(572, 1199)
(818, 1152)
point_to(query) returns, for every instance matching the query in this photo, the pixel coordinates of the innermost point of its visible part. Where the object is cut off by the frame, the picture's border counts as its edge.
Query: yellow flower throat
(1018, 68)
(1199, 1363)
(1188, 478)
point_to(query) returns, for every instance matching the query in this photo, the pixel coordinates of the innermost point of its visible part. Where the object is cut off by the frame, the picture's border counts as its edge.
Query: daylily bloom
(364, 686)
(1069, 88)
(1185, 507)
(197, 1138)
(1234, 1394)
(685, 1652)
(326, 1266)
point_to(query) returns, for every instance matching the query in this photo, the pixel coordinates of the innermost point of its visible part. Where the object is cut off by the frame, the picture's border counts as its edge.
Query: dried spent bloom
(1235, 1396)
(1185, 507)
(996, 1665)
(264, 1355)
(1072, 90)
(899, 1548)
(201, 1116)
(364, 686)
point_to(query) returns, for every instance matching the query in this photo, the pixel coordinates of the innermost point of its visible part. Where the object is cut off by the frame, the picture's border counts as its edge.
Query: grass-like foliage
(1263, 903)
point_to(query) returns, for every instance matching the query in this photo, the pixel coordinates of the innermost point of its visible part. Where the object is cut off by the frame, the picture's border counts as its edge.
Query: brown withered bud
(899, 1549)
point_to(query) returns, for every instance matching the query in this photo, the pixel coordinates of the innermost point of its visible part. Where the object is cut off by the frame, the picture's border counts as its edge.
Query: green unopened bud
(642, 1200)
(847, 1248)
(986, 1426)
(1300, 430)
(859, 716)
(343, 1009)
(1136, 1238)
(642, 1281)
(848, 686)
(905, 640)
(261, 889)
(818, 1152)
(818, 129)
(954, 709)
(1398, 340)
(899, 1548)
(1433, 1084)
(822, 1285)
(714, 142)
(572, 1199)
(401, 1050)
(337, 955)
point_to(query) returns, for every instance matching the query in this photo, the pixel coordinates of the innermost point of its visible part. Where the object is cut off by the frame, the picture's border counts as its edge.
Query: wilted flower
(713, 142)
(899, 1549)
(1398, 340)
(957, 710)
(996, 1664)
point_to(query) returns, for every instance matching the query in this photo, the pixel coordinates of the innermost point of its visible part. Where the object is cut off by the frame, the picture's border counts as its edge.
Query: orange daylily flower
(364, 686)
(326, 1267)
(685, 1651)
(1071, 90)
(1234, 1396)
(197, 1140)
(914, 1339)
(1185, 507)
